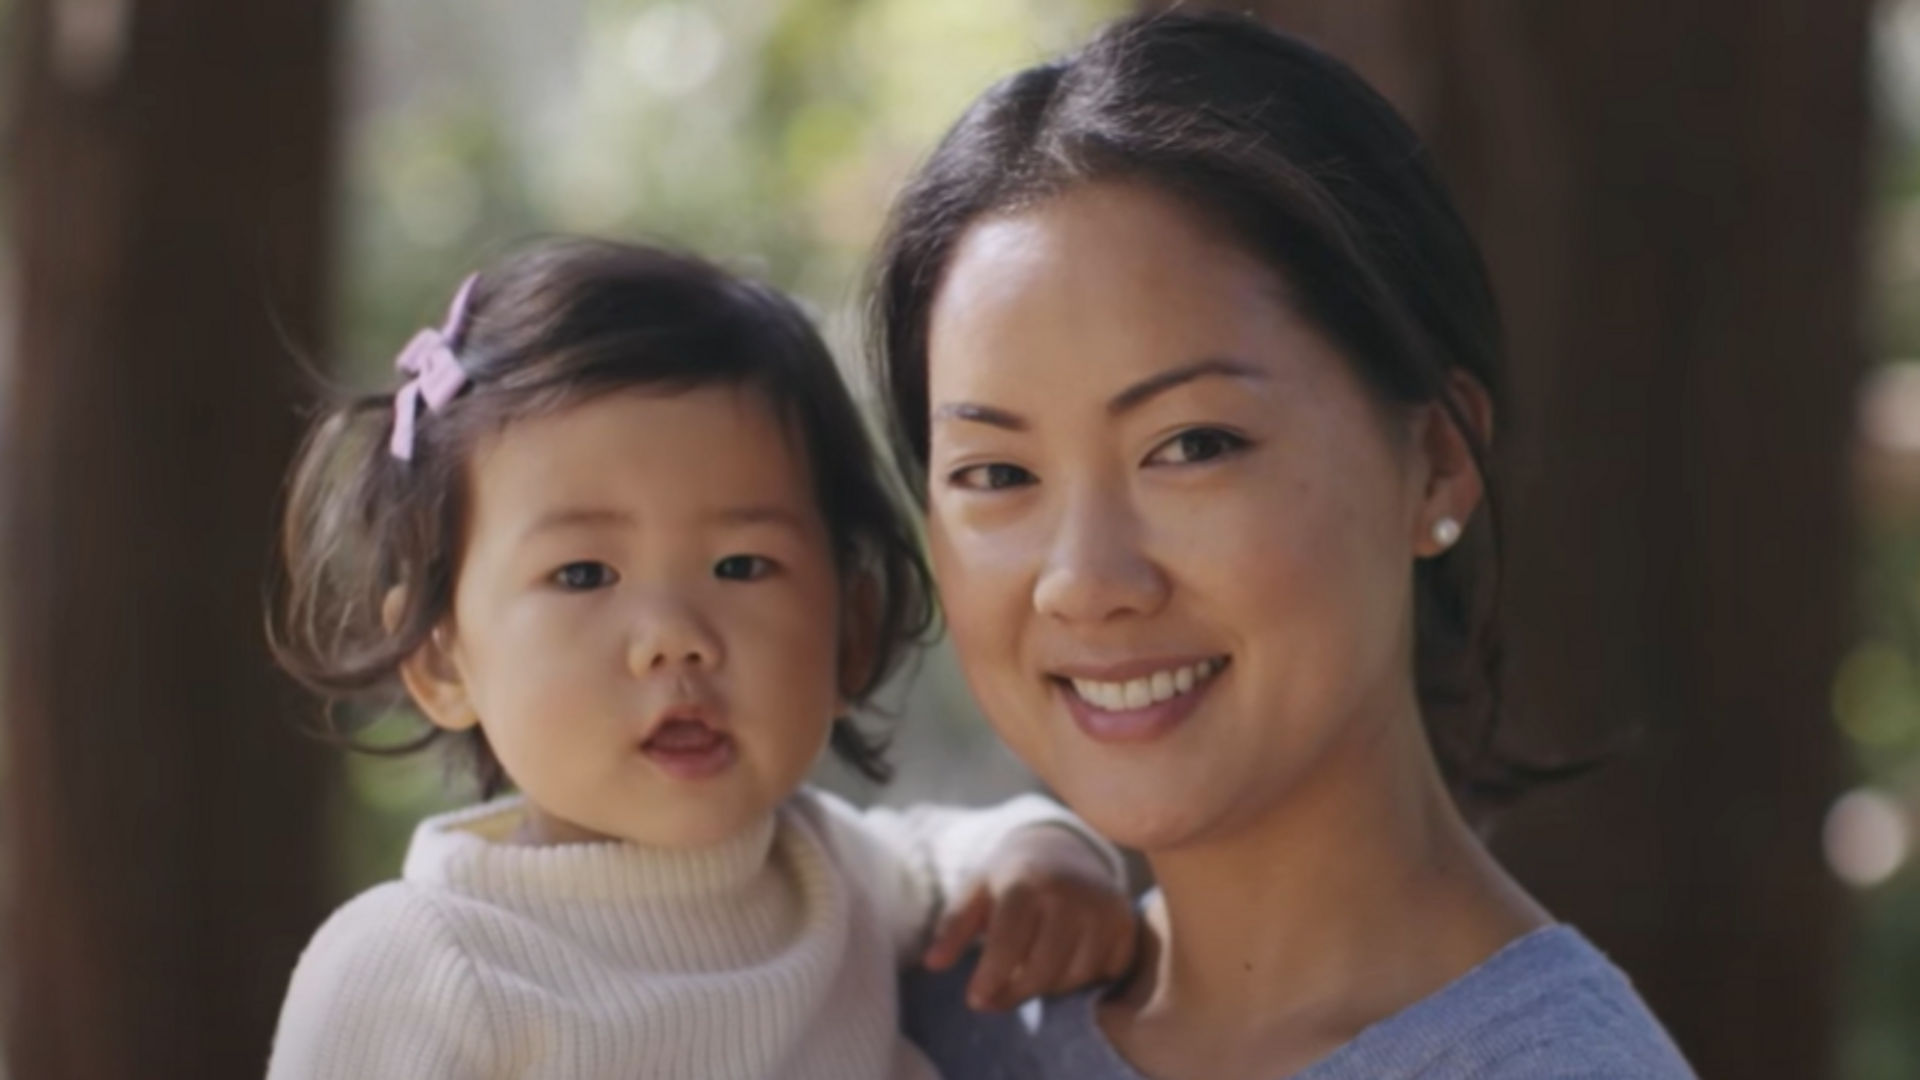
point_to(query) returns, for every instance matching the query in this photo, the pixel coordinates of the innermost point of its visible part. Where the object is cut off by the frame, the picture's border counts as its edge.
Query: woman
(1195, 370)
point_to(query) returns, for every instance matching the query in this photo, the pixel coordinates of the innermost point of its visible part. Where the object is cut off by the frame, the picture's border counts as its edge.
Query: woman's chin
(1171, 803)
(1153, 823)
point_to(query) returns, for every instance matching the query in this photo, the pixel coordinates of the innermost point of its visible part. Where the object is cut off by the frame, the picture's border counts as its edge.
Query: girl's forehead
(645, 452)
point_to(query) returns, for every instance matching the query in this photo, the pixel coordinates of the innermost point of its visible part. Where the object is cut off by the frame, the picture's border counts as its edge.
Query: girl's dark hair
(1294, 158)
(550, 327)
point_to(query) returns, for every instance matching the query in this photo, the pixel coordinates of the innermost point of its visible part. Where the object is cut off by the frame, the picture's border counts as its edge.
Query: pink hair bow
(437, 374)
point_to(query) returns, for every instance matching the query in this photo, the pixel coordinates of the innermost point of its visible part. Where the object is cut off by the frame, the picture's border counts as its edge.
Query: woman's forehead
(1099, 288)
(1130, 228)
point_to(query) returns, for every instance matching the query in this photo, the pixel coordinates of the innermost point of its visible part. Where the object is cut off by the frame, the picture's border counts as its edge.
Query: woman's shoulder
(1548, 1005)
(961, 1041)
(1046, 1037)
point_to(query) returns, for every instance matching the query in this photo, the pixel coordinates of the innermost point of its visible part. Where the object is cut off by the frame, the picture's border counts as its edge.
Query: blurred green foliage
(771, 133)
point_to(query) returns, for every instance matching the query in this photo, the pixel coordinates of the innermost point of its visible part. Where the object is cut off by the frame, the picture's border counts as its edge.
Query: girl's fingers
(957, 929)
(1121, 947)
(1010, 935)
(1044, 969)
(1088, 966)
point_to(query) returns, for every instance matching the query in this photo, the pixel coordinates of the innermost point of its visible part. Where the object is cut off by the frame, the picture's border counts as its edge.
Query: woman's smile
(1137, 701)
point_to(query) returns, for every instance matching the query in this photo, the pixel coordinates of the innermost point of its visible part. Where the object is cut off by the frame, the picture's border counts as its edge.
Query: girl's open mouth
(688, 748)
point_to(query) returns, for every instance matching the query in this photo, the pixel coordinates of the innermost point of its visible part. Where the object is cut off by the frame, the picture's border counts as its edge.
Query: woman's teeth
(1147, 689)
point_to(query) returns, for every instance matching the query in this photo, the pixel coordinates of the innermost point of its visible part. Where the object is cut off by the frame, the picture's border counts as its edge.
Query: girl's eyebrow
(577, 517)
(1131, 398)
(587, 517)
(584, 517)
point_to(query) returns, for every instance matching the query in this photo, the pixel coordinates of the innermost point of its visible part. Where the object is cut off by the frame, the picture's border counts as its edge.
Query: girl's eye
(1195, 445)
(994, 477)
(585, 576)
(743, 568)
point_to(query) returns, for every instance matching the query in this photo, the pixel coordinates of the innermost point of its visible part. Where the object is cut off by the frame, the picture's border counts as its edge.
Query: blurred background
(1704, 220)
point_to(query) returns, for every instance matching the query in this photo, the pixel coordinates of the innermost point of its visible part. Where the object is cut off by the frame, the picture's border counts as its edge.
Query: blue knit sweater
(1548, 1006)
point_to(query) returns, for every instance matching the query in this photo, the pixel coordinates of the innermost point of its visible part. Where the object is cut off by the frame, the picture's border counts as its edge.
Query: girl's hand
(1053, 917)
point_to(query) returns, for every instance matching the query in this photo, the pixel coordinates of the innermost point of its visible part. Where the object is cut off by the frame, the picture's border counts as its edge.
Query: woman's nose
(1096, 567)
(668, 632)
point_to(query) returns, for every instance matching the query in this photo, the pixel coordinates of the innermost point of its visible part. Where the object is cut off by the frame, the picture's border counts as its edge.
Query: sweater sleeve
(383, 990)
(914, 861)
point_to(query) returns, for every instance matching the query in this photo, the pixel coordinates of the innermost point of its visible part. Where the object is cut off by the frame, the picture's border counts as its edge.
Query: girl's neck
(538, 828)
(1358, 894)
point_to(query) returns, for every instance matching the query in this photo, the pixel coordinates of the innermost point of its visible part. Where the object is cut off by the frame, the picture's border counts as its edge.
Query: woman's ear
(1453, 485)
(430, 675)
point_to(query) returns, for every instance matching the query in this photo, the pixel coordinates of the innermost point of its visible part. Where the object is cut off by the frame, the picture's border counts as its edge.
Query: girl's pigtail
(331, 624)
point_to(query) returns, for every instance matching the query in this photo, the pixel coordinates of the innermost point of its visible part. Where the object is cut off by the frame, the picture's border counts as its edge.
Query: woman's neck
(1358, 894)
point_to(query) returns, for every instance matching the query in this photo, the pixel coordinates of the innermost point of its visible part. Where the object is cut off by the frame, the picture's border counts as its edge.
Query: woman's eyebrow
(1131, 398)
(980, 414)
(1153, 385)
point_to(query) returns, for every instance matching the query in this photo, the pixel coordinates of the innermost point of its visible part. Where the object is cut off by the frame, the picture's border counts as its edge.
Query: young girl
(620, 533)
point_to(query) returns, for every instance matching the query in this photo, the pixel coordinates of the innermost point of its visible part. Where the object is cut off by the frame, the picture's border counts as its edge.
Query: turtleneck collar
(471, 851)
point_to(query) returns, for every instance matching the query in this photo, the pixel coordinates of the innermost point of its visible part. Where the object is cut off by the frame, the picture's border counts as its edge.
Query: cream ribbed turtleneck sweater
(771, 955)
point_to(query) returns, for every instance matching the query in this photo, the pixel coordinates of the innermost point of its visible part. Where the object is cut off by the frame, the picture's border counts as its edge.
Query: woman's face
(1174, 532)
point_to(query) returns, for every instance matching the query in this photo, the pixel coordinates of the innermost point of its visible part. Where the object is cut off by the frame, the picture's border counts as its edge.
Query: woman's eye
(1196, 445)
(743, 568)
(993, 477)
(584, 576)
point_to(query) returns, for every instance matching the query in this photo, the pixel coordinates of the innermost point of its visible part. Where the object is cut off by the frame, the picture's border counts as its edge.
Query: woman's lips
(689, 749)
(1141, 708)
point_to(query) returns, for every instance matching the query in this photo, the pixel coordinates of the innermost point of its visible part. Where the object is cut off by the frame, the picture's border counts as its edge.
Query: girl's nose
(670, 633)
(1096, 568)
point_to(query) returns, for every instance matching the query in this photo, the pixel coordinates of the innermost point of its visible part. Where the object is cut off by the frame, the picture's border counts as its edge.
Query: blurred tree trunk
(163, 817)
(1671, 198)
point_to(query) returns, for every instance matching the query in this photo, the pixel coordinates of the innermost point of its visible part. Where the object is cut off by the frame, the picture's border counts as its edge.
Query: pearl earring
(1445, 532)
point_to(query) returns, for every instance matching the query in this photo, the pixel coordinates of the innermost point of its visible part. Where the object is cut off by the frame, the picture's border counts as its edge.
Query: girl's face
(646, 620)
(1173, 531)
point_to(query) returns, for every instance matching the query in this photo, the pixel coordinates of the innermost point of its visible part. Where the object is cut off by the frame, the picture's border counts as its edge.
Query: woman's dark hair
(1295, 159)
(550, 327)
